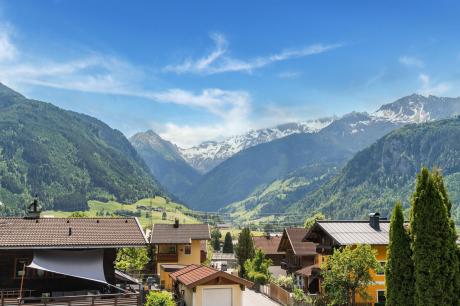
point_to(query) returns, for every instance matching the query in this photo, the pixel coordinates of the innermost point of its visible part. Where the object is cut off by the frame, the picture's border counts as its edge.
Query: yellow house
(176, 246)
(199, 285)
(332, 234)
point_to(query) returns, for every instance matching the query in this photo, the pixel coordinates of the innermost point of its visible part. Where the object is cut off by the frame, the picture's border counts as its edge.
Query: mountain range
(65, 158)
(269, 177)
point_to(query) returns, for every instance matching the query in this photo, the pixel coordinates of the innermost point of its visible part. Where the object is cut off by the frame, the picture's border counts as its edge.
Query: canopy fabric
(86, 264)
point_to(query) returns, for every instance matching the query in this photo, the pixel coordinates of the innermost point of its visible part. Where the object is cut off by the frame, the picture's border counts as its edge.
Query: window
(382, 268)
(167, 249)
(381, 296)
(187, 249)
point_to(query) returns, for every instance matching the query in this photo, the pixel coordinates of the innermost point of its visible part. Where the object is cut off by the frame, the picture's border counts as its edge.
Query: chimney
(176, 223)
(374, 221)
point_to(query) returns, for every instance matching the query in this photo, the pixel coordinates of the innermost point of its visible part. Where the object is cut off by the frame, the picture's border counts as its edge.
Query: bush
(160, 298)
(287, 282)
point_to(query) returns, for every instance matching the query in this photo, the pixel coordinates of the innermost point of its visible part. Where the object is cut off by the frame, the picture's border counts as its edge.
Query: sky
(205, 70)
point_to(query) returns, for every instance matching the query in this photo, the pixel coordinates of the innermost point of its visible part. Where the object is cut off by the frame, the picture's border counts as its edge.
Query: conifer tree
(399, 269)
(228, 243)
(433, 253)
(215, 239)
(244, 249)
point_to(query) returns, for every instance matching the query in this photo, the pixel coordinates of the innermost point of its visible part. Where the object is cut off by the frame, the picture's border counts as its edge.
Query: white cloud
(218, 61)
(431, 88)
(411, 61)
(7, 50)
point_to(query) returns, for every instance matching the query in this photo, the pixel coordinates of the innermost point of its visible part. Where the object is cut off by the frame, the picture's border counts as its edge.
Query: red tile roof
(292, 238)
(195, 275)
(185, 233)
(20, 233)
(268, 245)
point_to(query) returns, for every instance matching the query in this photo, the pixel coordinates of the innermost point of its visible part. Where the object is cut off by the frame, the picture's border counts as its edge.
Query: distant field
(144, 206)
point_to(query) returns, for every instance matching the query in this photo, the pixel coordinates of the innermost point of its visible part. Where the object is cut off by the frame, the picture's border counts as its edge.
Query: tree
(215, 239)
(132, 259)
(257, 268)
(347, 273)
(228, 244)
(78, 214)
(160, 298)
(399, 269)
(244, 249)
(163, 215)
(435, 253)
(310, 221)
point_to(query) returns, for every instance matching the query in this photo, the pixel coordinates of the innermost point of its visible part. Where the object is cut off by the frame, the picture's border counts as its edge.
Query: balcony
(167, 257)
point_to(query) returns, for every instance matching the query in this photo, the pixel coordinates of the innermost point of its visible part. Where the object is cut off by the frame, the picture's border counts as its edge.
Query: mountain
(258, 180)
(209, 154)
(64, 157)
(385, 172)
(165, 162)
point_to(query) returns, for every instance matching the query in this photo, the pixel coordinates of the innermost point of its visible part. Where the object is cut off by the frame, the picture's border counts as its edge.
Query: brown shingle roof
(268, 245)
(195, 275)
(23, 233)
(306, 271)
(293, 237)
(185, 233)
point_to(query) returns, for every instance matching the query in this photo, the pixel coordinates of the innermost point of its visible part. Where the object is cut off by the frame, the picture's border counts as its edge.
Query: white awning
(87, 264)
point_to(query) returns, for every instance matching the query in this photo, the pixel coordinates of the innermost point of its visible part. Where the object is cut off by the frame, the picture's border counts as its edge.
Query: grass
(173, 211)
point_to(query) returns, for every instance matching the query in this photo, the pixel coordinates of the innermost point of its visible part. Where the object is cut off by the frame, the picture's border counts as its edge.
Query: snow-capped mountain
(209, 154)
(410, 109)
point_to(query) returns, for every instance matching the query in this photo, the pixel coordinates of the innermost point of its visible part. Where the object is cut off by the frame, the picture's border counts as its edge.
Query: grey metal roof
(185, 233)
(356, 232)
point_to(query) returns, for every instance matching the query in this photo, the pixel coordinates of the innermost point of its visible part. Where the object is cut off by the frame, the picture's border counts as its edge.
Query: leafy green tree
(244, 249)
(160, 298)
(78, 214)
(347, 273)
(257, 268)
(228, 244)
(399, 269)
(310, 221)
(132, 259)
(215, 239)
(435, 253)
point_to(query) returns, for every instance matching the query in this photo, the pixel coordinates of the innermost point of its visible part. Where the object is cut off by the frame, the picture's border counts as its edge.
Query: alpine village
(240, 153)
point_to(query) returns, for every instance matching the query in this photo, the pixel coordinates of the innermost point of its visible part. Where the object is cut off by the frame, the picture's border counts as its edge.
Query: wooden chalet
(55, 258)
(300, 258)
(269, 246)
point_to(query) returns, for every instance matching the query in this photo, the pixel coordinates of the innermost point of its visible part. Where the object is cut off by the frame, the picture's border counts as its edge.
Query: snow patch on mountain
(209, 154)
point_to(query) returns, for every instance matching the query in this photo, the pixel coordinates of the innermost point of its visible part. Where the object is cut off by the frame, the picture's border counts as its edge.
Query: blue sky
(201, 70)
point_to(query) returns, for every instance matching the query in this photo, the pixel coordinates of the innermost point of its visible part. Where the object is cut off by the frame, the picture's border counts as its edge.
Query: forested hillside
(384, 173)
(64, 158)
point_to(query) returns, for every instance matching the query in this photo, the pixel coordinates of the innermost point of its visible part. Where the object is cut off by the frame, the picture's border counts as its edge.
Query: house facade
(199, 285)
(56, 257)
(176, 246)
(300, 258)
(330, 235)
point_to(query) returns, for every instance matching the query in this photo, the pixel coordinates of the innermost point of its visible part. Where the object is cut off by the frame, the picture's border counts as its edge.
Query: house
(57, 257)
(176, 246)
(300, 258)
(329, 235)
(199, 285)
(269, 246)
(224, 261)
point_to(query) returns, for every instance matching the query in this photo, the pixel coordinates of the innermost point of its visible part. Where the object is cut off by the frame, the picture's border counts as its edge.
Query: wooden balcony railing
(167, 257)
(129, 299)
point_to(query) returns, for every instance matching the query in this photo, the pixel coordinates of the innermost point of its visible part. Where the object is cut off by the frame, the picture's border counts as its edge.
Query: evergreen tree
(399, 269)
(244, 249)
(215, 239)
(434, 255)
(228, 243)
